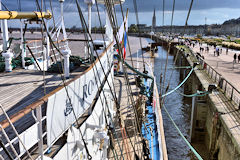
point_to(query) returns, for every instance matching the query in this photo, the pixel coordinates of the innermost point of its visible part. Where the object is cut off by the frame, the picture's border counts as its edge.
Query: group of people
(206, 49)
(235, 57)
(218, 51)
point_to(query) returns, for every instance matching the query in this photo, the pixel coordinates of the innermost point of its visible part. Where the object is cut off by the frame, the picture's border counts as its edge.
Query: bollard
(8, 61)
(66, 54)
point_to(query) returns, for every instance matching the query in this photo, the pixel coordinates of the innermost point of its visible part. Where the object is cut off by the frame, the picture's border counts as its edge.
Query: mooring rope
(181, 134)
(166, 94)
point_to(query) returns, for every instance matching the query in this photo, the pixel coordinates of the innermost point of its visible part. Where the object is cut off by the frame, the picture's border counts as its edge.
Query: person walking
(226, 51)
(238, 58)
(235, 58)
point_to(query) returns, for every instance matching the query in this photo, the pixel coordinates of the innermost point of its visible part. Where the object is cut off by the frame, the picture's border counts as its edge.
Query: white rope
(9, 142)
(14, 129)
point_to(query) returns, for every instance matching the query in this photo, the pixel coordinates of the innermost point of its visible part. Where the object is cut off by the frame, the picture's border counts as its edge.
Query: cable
(19, 5)
(180, 133)
(189, 74)
(84, 25)
(189, 11)
(85, 145)
(5, 149)
(173, 8)
(139, 32)
(197, 94)
(5, 6)
(125, 75)
(127, 81)
(15, 131)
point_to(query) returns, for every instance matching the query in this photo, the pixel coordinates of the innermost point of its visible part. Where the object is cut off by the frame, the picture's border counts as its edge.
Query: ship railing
(227, 87)
(28, 139)
(37, 131)
(159, 121)
(38, 50)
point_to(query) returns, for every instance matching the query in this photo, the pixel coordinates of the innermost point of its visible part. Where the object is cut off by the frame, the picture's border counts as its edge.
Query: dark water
(178, 106)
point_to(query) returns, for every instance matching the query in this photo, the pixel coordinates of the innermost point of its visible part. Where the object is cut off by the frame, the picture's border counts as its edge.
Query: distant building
(154, 21)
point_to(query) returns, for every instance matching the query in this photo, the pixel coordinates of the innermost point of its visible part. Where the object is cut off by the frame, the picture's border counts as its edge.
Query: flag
(124, 45)
(122, 35)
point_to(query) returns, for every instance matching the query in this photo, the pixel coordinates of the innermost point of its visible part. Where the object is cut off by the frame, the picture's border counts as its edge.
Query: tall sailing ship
(62, 103)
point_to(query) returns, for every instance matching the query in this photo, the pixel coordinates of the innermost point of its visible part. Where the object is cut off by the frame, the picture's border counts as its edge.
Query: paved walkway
(222, 63)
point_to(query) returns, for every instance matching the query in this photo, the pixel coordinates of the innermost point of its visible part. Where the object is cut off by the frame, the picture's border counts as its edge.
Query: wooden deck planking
(20, 87)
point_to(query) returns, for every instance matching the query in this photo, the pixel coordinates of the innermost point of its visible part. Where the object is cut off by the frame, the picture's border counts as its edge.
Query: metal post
(67, 51)
(62, 24)
(40, 135)
(47, 51)
(66, 54)
(192, 117)
(4, 31)
(137, 61)
(232, 94)
(225, 88)
(23, 46)
(6, 54)
(89, 17)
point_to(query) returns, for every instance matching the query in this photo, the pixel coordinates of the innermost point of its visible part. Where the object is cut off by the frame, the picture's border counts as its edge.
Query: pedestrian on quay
(235, 58)
(238, 58)
(217, 51)
(227, 51)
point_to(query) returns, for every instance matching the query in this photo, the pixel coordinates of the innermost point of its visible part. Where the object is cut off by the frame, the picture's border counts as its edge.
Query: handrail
(157, 110)
(221, 79)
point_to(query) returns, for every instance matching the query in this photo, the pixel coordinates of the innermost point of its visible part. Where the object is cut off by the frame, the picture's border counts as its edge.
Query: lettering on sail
(62, 107)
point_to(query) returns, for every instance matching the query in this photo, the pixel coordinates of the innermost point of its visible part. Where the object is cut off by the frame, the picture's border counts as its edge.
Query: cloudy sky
(215, 11)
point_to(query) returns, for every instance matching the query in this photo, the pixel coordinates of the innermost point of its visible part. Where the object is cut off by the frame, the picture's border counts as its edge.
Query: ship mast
(67, 51)
(89, 3)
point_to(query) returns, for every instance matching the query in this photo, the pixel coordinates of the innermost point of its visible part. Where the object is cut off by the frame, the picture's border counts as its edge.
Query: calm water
(178, 106)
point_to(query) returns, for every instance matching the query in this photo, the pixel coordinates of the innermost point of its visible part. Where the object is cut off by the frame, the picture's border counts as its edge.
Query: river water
(178, 106)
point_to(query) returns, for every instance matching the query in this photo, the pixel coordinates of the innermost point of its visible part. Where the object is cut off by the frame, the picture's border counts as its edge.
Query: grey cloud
(143, 5)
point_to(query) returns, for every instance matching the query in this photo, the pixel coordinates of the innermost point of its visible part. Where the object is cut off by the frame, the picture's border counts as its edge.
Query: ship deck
(128, 141)
(21, 87)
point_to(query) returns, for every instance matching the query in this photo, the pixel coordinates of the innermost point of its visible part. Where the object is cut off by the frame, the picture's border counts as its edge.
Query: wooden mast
(24, 15)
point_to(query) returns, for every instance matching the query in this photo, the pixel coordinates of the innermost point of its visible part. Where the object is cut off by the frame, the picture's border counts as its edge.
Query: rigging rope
(197, 94)
(139, 32)
(181, 134)
(63, 79)
(189, 11)
(125, 75)
(172, 15)
(170, 92)
(86, 31)
(129, 90)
